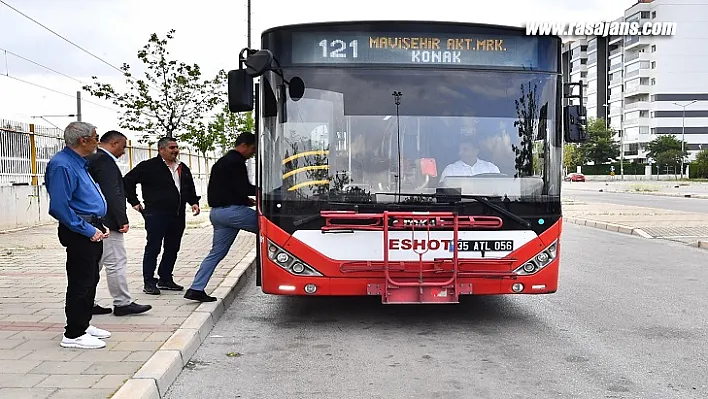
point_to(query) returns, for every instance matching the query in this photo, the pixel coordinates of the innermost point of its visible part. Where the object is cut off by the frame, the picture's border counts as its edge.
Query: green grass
(640, 187)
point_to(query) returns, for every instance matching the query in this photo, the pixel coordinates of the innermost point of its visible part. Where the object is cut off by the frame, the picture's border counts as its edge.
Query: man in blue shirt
(76, 201)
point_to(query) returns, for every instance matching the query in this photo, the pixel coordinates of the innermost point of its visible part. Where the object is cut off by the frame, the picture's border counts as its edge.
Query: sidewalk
(687, 227)
(32, 294)
(646, 187)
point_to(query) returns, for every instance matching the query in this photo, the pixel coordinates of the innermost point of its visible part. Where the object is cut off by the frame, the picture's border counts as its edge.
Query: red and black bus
(416, 161)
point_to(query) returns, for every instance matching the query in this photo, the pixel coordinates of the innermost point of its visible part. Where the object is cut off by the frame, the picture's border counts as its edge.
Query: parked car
(575, 177)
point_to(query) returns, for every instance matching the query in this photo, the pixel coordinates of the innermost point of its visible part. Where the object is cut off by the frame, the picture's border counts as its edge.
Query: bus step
(422, 295)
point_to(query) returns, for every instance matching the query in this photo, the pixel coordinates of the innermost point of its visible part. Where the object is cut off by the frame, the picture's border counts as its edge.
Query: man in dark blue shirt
(76, 201)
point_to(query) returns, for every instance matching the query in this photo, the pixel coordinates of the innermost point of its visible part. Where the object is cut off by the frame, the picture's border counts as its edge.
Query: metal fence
(25, 150)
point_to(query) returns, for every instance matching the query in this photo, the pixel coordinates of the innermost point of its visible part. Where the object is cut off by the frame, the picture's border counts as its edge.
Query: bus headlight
(539, 261)
(289, 262)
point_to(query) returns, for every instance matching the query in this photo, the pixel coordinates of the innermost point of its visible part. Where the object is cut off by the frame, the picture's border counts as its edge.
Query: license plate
(485, 246)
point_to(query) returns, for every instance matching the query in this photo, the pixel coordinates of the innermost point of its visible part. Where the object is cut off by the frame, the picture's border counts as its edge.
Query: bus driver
(469, 164)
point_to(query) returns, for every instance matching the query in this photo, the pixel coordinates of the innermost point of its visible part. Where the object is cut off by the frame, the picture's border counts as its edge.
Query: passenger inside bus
(468, 164)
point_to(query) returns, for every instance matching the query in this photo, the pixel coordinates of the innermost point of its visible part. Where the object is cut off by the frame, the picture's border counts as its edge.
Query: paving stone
(26, 393)
(61, 368)
(21, 380)
(32, 319)
(92, 393)
(69, 381)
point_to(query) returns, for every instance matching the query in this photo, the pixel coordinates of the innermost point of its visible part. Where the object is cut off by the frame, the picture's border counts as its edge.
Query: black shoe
(169, 285)
(133, 308)
(151, 289)
(200, 296)
(97, 309)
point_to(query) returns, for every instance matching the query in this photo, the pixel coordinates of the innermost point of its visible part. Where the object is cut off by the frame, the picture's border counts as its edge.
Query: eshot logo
(601, 29)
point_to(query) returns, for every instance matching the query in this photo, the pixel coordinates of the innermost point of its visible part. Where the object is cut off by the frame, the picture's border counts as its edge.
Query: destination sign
(415, 49)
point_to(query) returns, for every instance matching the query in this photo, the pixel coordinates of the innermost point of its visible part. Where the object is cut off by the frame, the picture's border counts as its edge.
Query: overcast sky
(208, 32)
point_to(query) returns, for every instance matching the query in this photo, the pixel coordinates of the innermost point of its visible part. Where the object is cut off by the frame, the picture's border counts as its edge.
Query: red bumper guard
(410, 290)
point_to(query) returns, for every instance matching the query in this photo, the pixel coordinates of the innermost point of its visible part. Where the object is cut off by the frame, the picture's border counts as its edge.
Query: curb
(660, 194)
(156, 376)
(618, 228)
(656, 193)
(701, 245)
(23, 228)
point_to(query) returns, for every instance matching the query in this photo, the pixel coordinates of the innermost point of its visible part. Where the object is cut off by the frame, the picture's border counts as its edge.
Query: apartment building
(581, 60)
(650, 80)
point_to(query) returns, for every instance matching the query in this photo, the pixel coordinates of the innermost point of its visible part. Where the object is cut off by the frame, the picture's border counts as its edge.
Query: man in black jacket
(228, 195)
(167, 185)
(105, 171)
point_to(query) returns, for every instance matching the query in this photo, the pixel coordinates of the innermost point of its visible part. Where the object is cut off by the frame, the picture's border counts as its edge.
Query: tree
(203, 138)
(170, 101)
(230, 125)
(601, 146)
(572, 156)
(666, 151)
(701, 164)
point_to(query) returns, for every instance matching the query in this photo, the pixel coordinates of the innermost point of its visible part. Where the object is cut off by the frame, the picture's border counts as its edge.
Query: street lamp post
(683, 132)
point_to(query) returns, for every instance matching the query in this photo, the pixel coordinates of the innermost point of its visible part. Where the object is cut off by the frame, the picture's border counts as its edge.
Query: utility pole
(78, 106)
(622, 153)
(249, 24)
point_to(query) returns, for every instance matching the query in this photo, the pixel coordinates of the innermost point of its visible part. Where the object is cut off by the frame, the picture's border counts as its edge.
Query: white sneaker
(86, 341)
(97, 332)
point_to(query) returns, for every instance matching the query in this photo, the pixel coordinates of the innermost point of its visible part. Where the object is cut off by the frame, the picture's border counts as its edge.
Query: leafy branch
(171, 99)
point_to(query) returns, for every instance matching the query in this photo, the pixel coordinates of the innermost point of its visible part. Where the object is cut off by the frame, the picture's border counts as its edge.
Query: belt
(92, 219)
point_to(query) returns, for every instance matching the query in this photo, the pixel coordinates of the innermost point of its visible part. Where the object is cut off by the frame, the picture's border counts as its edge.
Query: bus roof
(394, 25)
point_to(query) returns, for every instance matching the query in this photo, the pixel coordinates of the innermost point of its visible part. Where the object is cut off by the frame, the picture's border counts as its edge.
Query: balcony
(616, 67)
(631, 42)
(615, 39)
(617, 111)
(641, 73)
(616, 96)
(639, 105)
(614, 82)
(643, 121)
(637, 89)
(616, 52)
(615, 99)
(577, 54)
(641, 56)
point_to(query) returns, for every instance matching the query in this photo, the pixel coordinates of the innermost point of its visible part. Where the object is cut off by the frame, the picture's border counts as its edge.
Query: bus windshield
(382, 131)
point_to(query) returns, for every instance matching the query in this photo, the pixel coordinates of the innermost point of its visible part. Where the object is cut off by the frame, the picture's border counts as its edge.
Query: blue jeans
(227, 222)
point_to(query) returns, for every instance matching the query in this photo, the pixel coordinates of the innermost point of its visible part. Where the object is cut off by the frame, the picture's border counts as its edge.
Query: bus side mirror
(296, 88)
(240, 91)
(574, 124)
(259, 62)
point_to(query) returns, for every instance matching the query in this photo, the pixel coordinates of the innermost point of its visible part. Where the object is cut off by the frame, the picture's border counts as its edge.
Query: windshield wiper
(499, 209)
(481, 199)
(339, 206)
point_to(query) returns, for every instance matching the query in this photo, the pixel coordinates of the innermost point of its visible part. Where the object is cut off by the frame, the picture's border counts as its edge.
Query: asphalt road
(625, 324)
(696, 205)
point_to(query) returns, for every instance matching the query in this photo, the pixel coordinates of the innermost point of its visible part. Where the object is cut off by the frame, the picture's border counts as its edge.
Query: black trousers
(166, 229)
(82, 259)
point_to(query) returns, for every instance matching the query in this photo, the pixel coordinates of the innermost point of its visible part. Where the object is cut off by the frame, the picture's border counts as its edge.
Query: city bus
(414, 161)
